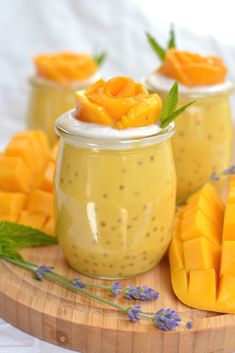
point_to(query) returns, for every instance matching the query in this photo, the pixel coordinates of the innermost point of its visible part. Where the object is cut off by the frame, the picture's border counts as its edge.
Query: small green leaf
(170, 102)
(171, 42)
(156, 47)
(16, 236)
(174, 115)
(100, 58)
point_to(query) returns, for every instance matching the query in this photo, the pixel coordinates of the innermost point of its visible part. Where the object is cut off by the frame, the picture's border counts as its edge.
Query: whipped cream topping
(160, 83)
(75, 85)
(73, 129)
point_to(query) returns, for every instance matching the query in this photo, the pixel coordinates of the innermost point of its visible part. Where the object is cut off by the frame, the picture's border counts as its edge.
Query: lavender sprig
(134, 313)
(229, 171)
(131, 292)
(40, 271)
(116, 289)
(166, 319)
(142, 293)
(78, 283)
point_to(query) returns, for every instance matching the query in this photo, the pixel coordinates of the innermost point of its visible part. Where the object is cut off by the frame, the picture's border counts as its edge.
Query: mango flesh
(192, 69)
(27, 169)
(120, 102)
(202, 251)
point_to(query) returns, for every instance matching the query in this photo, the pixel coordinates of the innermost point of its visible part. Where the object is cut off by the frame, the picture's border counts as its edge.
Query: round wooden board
(57, 315)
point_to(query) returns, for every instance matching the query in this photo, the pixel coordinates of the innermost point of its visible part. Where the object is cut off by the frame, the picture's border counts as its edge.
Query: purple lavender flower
(166, 319)
(78, 283)
(214, 176)
(142, 293)
(230, 170)
(134, 313)
(38, 272)
(116, 289)
(189, 325)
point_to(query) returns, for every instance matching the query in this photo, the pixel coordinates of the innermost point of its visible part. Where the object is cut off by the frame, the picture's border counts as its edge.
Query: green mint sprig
(157, 48)
(171, 42)
(169, 112)
(100, 58)
(14, 237)
(161, 53)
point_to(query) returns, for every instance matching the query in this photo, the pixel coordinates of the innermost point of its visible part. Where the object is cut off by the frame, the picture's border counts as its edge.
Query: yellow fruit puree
(57, 78)
(115, 191)
(203, 140)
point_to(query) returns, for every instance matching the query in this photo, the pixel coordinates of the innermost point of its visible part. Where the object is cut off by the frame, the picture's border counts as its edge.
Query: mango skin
(202, 261)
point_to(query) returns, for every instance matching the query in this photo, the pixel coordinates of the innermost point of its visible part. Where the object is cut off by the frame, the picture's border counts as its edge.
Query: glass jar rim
(73, 86)
(73, 135)
(161, 84)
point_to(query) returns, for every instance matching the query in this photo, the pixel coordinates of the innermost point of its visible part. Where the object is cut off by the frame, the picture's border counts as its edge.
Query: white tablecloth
(28, 27)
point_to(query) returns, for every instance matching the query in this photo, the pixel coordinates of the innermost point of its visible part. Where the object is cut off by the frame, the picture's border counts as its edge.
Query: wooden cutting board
(57, 315)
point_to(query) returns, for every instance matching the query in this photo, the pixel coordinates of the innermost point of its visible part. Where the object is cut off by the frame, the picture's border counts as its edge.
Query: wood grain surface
(60, 316)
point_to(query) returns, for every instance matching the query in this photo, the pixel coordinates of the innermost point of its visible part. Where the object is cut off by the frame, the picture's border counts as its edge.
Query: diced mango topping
(202, 251)
(119, 102)
(65, 67)
(192, 69)
(26, 181)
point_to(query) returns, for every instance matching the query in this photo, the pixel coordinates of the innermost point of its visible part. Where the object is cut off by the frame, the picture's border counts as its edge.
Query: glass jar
(115, 200)
(48, 100)
(203, 140)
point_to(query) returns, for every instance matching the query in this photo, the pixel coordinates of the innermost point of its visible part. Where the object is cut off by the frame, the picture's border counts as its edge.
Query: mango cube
(32, 219)
(205, 277)
(176, 256)
(40, 202)
(231, 196)
(21, 148)
(228, 258)
(226, 293)
(208, 208)
(202, 287)
(49, 227)
(11, 203)
(9, 217)
(28, 163)
(200, 254)
(198, 225)
(229, 223)
(14, 174)
(47, 180)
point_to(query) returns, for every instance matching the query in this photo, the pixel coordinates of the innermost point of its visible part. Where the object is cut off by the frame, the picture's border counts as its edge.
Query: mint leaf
(100, 58)
(156, 47)
(170, 102)
(174, 115)
(171, 42)
(16, 236)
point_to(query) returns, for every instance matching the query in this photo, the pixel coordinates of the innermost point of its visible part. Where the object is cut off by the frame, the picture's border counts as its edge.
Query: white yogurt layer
(72, 129)
(157, 82)
(75, 85)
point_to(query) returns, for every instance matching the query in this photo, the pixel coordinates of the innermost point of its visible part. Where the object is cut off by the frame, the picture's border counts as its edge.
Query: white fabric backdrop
(29, 27)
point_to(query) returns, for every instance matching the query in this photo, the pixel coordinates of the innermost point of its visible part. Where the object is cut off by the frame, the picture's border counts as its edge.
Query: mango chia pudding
(115, 180)
(57, 77)
(203, 140)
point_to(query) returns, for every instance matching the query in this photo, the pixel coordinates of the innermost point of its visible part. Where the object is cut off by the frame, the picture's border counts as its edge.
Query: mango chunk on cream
(120, 102)
(27, 169)
(65, 67)
(193, 69)
(202, 251)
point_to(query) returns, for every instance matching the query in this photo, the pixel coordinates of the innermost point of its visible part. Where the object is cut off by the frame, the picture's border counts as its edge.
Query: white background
(28, 27)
